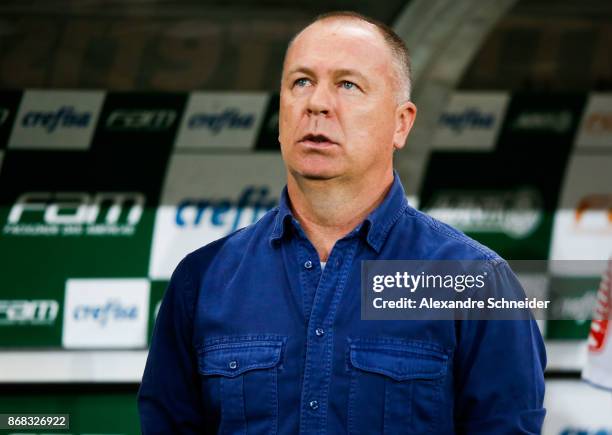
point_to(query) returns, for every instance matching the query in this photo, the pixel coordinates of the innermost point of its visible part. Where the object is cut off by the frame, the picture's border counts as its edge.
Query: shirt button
(313, 404)
(338, 261)
(320, 332)
(308, 264)
(233, 365)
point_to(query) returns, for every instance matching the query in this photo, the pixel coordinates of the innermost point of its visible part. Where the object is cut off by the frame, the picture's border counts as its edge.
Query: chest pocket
(240, 381)
(395, 386)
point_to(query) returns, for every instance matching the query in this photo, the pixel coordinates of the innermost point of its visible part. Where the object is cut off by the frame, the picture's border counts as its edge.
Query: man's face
(338, 106)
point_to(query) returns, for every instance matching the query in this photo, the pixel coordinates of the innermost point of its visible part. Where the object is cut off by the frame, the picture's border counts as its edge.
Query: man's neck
(329, 209)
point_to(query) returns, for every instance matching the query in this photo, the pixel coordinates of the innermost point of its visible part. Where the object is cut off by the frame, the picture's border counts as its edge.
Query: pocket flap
(400, 362)
(233, 359)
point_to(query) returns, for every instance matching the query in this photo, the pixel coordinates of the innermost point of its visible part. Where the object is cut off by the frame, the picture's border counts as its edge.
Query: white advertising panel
(56, 120)
(596, 126)
(471, 121)
(221, 120)
(207, 197)
(575, 408)
(106, 313)
(582, 227)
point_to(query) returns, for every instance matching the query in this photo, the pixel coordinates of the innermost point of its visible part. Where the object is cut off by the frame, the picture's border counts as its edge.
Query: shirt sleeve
(499, 372)
(169, 398)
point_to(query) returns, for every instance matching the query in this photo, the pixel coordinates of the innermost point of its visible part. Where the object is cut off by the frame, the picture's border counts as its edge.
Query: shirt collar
(283, 216)
(374, 228)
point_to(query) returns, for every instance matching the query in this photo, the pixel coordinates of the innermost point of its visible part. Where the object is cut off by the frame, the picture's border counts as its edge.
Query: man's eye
(301, 82)
(348, 85)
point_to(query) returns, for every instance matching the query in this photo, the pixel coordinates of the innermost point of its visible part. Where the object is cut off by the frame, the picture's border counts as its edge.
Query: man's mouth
(317, 140)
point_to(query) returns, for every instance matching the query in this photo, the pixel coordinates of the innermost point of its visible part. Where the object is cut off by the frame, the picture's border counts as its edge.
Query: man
(260, 332)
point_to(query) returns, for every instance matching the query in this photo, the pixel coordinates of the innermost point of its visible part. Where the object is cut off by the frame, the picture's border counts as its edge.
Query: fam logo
(28, 312)
(49, 121)
(75, 214)
(514, 213)
(553, 121)
(593, 214)
(471, 118)
(252, 203)
(106, 313)
(230, 118)
(141, 120)
(4, 114)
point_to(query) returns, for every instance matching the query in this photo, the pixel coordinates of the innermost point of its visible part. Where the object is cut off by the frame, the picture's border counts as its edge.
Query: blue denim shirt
(253, 337)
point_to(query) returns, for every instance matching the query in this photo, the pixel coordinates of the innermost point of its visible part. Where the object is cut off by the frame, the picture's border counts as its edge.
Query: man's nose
(319, 102)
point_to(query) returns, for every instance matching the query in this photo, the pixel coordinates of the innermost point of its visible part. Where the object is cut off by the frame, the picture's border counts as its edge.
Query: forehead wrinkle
(317, 46)
(317, 36)
(342, 27)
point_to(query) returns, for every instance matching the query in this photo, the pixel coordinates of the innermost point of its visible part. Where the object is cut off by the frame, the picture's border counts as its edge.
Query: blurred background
(133, 132)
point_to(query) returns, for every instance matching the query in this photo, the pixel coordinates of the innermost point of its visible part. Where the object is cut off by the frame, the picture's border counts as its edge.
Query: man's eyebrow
(302, 69)
(350, 72)
(337, 73)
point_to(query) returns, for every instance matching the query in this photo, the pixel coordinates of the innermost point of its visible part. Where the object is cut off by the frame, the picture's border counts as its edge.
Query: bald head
(398, 52)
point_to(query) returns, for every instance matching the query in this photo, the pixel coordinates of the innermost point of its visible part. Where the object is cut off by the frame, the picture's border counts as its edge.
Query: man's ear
(404, 119)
